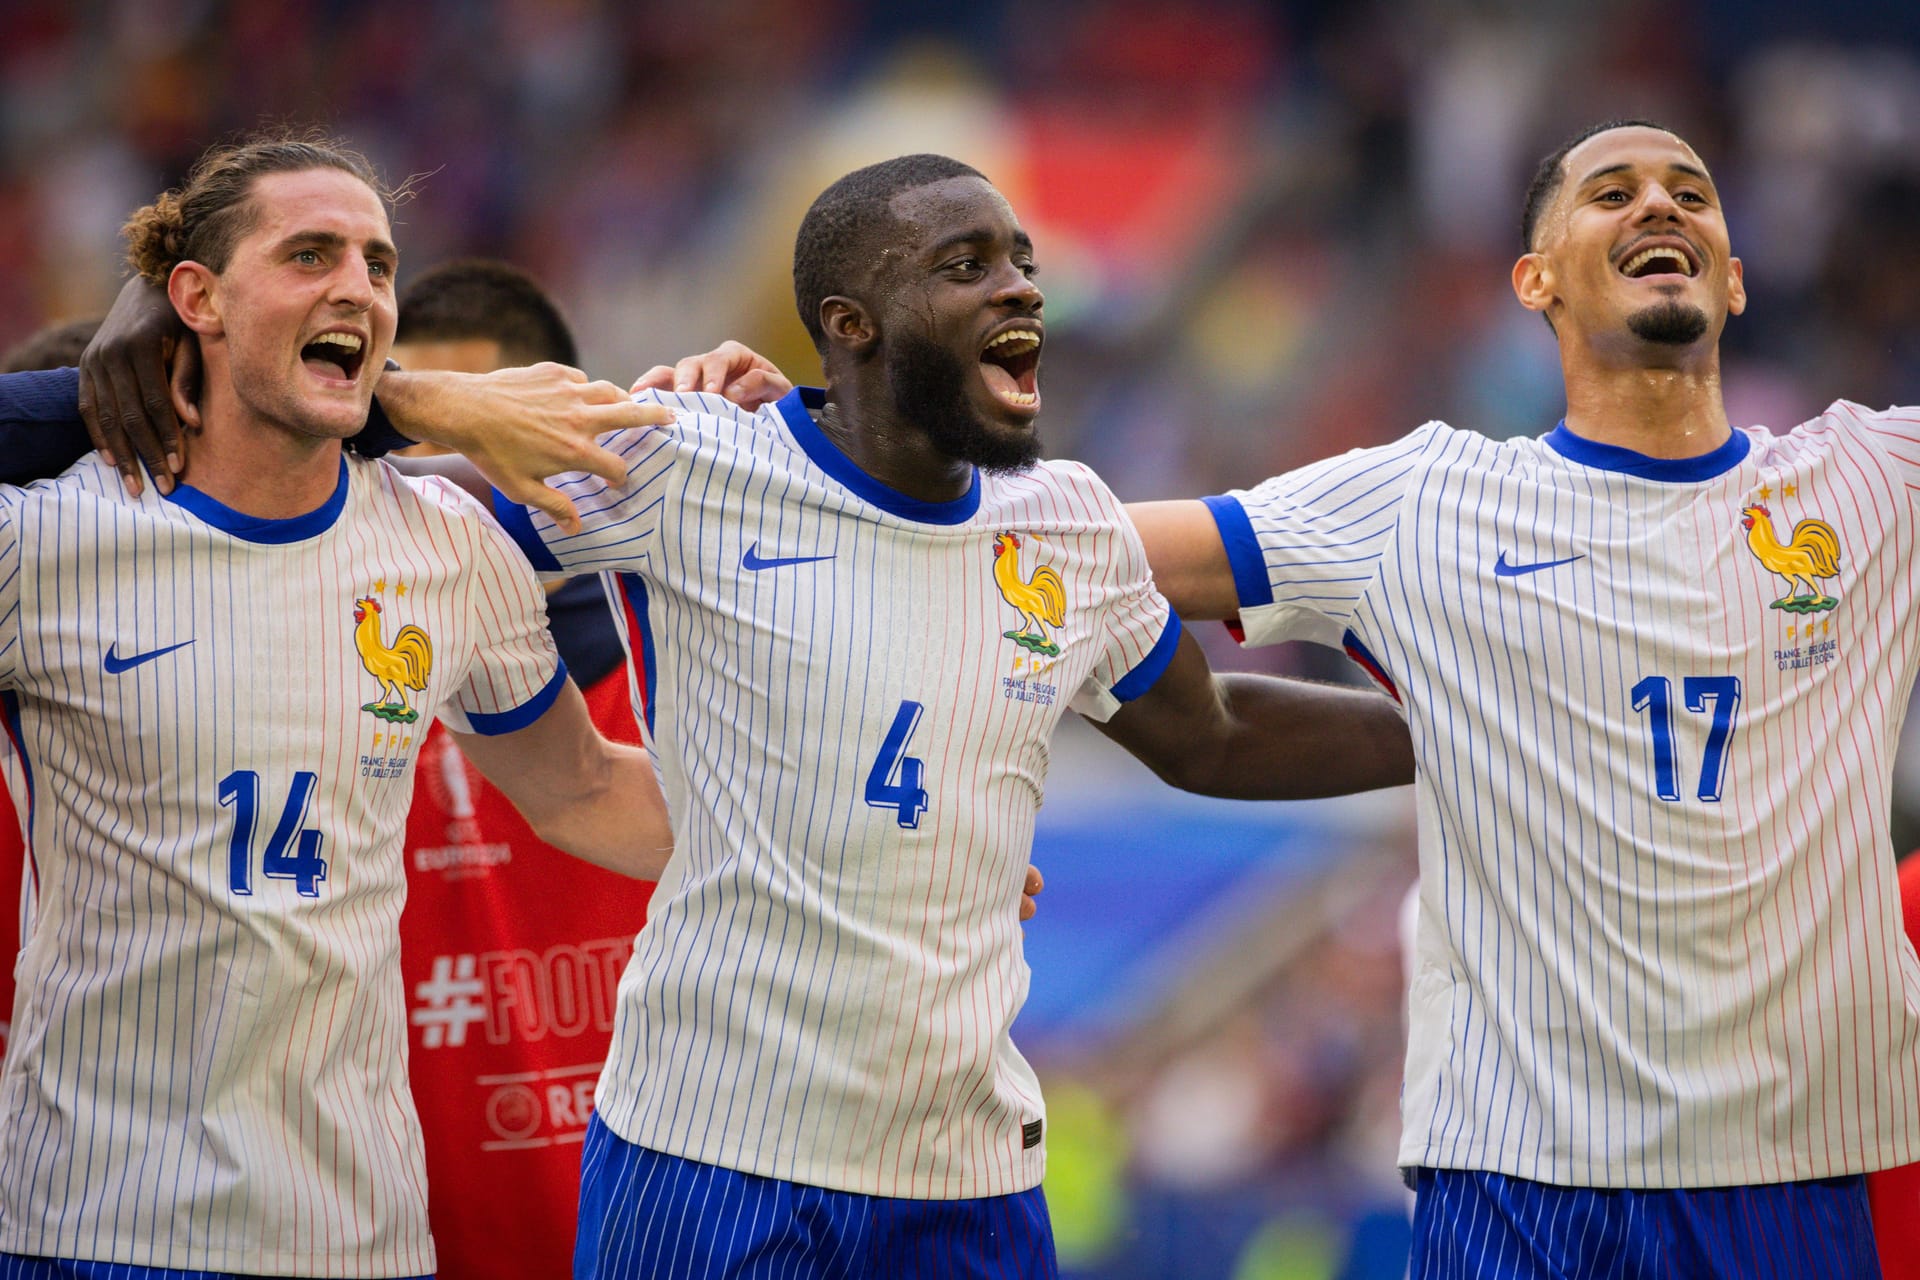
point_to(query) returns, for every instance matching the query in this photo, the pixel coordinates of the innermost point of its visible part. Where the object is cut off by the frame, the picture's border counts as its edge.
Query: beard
(1669, 324)
(930, 391)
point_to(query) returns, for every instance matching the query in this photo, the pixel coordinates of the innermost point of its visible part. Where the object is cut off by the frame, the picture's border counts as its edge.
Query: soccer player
(1663, 1017)
(854, 620)
(217, 695)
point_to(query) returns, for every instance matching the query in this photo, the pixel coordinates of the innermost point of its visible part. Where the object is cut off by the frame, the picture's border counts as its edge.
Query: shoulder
(1844, 426)
(1052, 490)
(89, 482)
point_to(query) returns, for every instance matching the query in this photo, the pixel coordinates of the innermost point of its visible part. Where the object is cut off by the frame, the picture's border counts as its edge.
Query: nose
(1656, 202)
(1017, 289)
(352, 283)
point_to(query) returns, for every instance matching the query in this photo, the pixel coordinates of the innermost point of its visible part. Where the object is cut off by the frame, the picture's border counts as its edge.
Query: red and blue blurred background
(1267, 232)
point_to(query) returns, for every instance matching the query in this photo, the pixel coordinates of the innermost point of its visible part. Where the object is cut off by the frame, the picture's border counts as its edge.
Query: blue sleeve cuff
(1250, 581)
(523, 715)
(518, 522)
(1150, 668)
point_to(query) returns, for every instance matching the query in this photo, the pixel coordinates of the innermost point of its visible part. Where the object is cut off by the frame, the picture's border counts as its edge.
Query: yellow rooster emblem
(1041, 600)
(403, 665)
(1812, 553)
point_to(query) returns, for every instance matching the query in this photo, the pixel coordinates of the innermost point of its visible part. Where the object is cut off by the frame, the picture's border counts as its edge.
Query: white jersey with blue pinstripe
(1654, 705)
(850, 695)
(218, 717)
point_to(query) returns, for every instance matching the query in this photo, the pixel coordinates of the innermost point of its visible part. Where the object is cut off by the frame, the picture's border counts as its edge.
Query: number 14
(1654, 695)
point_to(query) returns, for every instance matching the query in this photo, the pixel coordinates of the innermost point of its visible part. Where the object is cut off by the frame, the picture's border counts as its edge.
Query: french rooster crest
(1810, 554)
(1040, 599)
(405, 664)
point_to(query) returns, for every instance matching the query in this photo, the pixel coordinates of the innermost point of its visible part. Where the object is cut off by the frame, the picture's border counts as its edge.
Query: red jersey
(1895, 1193)
(512, 954)
(13, 870)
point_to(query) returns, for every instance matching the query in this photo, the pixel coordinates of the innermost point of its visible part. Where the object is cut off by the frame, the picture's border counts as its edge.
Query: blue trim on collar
(826, 455)
(263, 529)
(1149, 669)
(1609, 457)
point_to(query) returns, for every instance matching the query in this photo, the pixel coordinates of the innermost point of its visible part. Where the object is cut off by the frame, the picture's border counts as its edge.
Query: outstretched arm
(579, 792)
(1188, 559)
(1252, 737)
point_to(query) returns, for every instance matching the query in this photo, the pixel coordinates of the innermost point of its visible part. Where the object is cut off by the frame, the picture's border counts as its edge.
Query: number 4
(1655, 696)
(894, 781)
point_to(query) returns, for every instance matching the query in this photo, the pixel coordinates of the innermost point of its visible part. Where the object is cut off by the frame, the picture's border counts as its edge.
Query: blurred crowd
(1267, 232)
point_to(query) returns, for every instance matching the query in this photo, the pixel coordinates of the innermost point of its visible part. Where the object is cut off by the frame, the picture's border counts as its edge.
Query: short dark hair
(203, 219)
(1552, 172)
(485, 298)
(837, 236)
(57, 346)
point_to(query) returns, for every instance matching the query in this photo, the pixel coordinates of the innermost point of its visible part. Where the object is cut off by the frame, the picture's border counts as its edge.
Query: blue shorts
(15, 1266)
(645, 1215)
(1470, 1224)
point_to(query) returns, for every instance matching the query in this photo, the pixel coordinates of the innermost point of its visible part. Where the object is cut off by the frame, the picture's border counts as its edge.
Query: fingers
(156, 400)
(757, 389)
(610, 467)
(658, 378)
(553, 368)
(550, 500)
(132, 423)
(1035, 881)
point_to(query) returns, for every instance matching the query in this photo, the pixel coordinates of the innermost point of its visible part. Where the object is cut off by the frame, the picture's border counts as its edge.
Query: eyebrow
(979, 235)
(1678, 166)
(334, 240)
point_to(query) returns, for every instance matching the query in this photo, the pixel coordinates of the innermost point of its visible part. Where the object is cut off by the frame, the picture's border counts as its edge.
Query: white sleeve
(516, 672)
(1306, 546)
(1896, 430)
(619, 523)
(1139, 630)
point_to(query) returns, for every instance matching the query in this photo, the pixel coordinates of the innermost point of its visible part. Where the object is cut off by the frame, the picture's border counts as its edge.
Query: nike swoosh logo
(115, 664)
(752, 561)
(1502, 569)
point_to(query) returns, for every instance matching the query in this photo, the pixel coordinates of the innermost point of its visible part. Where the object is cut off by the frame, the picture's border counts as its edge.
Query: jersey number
(1654, 695)
(303, 866)
(894, 781)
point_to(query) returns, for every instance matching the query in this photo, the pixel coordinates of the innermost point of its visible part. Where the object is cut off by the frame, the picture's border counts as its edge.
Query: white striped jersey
(218, 716)
(850, 695)
(1654, 705)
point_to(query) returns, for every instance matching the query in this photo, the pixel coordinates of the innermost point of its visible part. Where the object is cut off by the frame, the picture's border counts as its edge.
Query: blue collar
(1608, 457)
(261, 528)
(794, 408)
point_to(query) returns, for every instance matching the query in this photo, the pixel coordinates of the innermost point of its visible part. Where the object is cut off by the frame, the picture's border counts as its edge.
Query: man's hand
(1029, 892)
(731, 369)
(138, 382)
(520, 426)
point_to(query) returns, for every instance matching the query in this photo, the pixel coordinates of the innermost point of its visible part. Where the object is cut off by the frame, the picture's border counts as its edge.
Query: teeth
(348, 340)
(1645, 256)
(1015, 341)
(1020, 397)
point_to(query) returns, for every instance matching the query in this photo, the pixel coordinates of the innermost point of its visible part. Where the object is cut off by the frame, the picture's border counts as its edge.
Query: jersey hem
(853, 1181)
(1571, 1174)
(142, 1253)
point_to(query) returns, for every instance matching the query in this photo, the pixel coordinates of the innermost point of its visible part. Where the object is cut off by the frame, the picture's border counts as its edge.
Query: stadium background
(1267, 232)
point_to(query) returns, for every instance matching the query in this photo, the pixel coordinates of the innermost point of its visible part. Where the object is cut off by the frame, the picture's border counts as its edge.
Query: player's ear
(193, 290)
(1533, 281)
(1736, 287)
(848, 325)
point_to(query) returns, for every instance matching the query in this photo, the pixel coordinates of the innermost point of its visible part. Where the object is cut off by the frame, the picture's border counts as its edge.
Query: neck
(861, 419)
(258, 468)
(1672, 411)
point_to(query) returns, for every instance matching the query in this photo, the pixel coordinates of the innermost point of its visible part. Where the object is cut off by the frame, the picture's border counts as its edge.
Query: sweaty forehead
(953, 206)
(1636, 147)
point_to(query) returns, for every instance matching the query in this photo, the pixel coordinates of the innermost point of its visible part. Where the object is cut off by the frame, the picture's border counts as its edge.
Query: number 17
(1654, 695)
